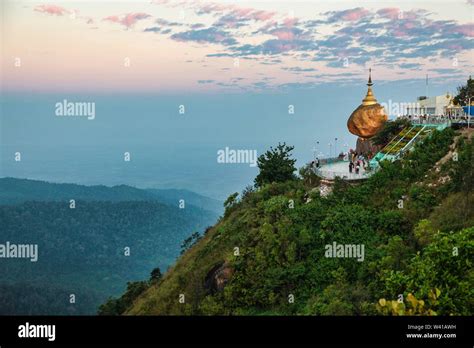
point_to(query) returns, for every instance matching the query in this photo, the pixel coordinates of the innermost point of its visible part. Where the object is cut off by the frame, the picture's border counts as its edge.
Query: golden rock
(369, 117)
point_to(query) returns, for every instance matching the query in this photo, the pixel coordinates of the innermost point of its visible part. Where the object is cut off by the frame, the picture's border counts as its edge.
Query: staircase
(402, 143)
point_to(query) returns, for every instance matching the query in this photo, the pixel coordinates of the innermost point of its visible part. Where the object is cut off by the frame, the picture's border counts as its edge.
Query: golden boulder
(367, 120)
(369, 117)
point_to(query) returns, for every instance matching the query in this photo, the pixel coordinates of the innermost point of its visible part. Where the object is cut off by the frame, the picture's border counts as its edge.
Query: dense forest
(90, 251)
(267, 254)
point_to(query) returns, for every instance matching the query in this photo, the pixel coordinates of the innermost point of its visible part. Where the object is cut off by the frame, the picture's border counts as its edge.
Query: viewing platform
(337, 167)
(421, 127)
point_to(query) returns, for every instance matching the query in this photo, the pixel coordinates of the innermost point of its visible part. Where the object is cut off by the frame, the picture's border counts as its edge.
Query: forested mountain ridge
(268, 254)
(91, 250)
(14, 191)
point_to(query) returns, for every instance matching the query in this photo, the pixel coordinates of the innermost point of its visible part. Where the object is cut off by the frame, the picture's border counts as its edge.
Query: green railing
(405, 140)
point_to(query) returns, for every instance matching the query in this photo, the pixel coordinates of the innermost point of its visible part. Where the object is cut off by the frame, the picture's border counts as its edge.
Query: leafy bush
(276, 165)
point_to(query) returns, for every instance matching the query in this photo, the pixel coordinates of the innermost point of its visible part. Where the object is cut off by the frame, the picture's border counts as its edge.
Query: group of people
(356, 162)
(316, 163)
(436, 119)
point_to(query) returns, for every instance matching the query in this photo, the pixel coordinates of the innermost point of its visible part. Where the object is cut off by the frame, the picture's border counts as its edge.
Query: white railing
(431, 119)
(331, 175)
(326, 174)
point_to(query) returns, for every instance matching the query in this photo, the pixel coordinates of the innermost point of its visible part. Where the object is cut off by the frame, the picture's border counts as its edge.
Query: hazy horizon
(170, 150)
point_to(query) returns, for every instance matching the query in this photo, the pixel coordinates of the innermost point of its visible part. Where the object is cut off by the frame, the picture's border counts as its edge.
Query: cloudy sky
(201, 46)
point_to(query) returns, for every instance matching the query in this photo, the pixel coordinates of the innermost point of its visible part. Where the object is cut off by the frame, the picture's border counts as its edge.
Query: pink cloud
(114, 19)
(409, 24)
(262, 15)
(413, 15)
(354, 14)
(251, 14)
(399, 33)
(209, 8)
(231, 16)
(281, 47)
(242, 12)
(228, 10)
(269, 25)
(51, 9)
(464, 29)
(391, 13)
(283, 34)
(290, 22)
(455, 47)
(128, 19)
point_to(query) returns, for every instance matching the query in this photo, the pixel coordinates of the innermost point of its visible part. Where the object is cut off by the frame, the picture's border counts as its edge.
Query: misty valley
(117, 235)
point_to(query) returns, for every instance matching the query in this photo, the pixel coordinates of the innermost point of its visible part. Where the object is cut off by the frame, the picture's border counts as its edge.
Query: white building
(430, 106)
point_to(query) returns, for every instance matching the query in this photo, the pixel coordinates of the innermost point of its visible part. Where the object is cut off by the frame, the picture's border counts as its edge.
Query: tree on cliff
(190, 241)
(276, 165)
(465, 92)
(155, 275)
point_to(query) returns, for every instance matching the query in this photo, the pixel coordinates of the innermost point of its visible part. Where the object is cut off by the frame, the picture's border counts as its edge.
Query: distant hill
(173, 196)
(82, 250)
(14, 191)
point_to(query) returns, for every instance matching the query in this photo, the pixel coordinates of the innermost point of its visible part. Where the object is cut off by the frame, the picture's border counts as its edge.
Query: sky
(236, 67)
(171, 46)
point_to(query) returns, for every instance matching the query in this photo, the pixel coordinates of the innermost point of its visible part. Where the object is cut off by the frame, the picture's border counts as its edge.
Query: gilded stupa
(369, 117)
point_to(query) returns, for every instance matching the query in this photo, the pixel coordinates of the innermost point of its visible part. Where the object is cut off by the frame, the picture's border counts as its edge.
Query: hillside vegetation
(266, 256)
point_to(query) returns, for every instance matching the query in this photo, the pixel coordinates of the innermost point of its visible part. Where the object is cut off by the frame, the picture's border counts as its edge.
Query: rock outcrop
(217, 277)
(367, 147)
